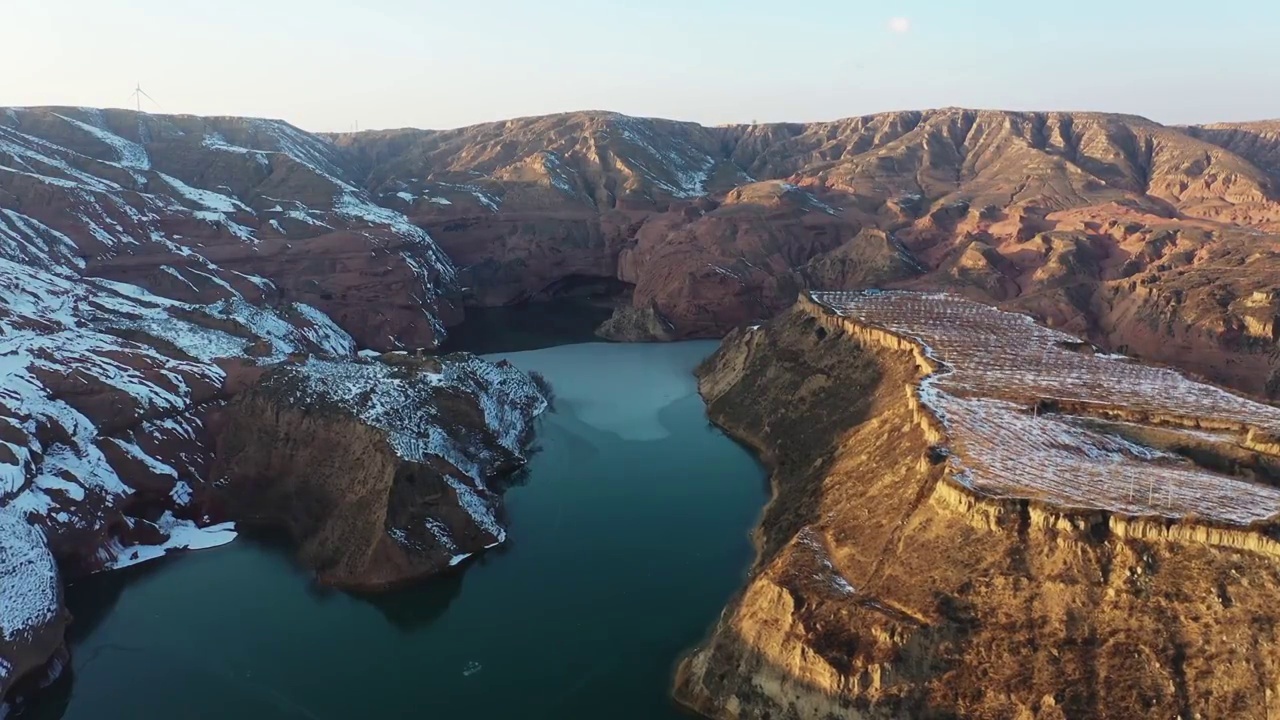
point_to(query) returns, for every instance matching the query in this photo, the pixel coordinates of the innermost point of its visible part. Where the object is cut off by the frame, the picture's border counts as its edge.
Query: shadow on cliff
(407, 608)
(528, 326)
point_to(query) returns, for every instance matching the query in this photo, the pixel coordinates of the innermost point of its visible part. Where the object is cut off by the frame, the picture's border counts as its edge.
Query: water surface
(627, 536)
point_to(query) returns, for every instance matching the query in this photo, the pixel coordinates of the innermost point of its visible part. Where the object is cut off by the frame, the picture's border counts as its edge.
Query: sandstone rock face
(152, 268)
(633, 324)
(378, 472)
(907, 568)
(1258, 142)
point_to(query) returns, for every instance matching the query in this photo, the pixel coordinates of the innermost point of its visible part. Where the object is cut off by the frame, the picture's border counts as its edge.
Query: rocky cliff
(381, 473)
(106, 393)
(153, 268)
(977, 517)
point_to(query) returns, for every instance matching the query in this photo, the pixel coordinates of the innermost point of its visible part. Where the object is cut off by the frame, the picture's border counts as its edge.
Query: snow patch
(129, 154)
(28, 578)
(214, 141)
(183, 535)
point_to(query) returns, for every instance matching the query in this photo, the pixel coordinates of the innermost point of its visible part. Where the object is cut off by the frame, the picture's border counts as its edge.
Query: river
(628, 534)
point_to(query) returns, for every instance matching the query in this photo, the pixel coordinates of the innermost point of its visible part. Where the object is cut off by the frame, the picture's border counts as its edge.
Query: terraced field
(1031, 413)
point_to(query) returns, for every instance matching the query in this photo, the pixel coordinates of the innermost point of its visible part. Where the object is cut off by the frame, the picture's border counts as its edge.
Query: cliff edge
(975, 516)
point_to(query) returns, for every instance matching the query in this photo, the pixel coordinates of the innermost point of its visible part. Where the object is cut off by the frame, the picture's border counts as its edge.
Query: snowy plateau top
(1033, 413)
(400, 399)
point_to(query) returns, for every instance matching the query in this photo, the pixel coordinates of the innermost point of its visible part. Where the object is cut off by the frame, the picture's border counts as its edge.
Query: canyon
(1157, 241)
(196, 312)
(630, 500)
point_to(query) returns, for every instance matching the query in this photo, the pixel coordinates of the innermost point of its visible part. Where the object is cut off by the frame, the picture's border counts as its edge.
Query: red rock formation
(1054, 213)
(1048, 212)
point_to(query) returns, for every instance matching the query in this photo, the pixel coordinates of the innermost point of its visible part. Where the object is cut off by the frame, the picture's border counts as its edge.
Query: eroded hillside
(975, 516)
(207, 209)
(1158, 240)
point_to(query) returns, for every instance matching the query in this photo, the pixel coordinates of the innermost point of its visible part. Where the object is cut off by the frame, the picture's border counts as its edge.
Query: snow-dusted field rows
(996, 366)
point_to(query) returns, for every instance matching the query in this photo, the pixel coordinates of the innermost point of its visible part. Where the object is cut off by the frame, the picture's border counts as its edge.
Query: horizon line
(597, 111)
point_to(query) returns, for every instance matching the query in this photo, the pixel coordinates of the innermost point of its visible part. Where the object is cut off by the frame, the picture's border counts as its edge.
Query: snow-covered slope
(105, 390)
(201, 208)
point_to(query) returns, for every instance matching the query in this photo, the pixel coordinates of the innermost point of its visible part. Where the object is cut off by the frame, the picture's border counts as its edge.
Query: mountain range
(154, 267)
(1155, 239)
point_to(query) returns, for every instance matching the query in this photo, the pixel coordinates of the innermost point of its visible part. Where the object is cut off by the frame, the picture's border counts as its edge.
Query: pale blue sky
(327, 64)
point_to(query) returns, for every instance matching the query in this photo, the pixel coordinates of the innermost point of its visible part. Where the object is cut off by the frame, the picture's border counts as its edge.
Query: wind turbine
(138, 94)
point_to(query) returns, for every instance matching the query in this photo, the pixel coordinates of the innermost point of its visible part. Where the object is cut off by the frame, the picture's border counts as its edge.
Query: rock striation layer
(974, 516)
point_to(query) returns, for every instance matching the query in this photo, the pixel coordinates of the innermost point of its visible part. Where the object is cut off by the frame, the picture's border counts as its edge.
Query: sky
(340, 64)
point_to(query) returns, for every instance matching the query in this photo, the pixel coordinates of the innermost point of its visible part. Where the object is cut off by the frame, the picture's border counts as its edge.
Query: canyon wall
(153, 269)
(1149, 239)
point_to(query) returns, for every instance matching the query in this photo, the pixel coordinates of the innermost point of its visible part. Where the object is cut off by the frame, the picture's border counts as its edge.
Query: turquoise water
(627, 536)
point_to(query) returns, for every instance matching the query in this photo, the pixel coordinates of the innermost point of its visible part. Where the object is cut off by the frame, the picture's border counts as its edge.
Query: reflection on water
(625, 542)
(531, 326)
